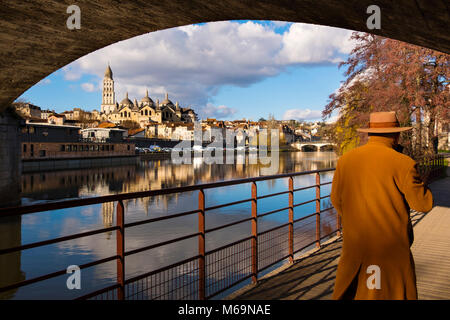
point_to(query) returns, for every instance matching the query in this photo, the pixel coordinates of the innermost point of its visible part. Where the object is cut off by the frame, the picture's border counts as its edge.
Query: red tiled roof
(106, 125)
(132, 132)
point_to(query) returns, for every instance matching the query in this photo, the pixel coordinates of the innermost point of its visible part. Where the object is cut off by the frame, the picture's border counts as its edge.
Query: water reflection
(147, 175)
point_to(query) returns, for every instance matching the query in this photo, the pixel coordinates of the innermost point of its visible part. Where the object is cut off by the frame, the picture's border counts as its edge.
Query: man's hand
(422, 177)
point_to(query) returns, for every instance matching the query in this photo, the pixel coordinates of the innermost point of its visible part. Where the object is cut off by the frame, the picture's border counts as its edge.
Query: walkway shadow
(416, 217)
(309, 278)
(441, 197)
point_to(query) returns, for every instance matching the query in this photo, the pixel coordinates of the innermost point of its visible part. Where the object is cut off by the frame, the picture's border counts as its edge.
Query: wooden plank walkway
(431, 247)
(313, 276)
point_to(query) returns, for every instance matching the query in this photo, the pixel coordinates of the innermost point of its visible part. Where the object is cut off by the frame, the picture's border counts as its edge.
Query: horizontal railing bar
(56, 240)
(273, 229)
(305, 217)
(148, 274)
(273, 211)
(327, 196)
(96, 293)
(228, 225)
(181, 214)
(272, 195)
(228, 204)
(302, 203)
(228, 287)
(55, 274)
(228, 245)
(325, 183)
(160, 244)
(11, 211)
(304, 188)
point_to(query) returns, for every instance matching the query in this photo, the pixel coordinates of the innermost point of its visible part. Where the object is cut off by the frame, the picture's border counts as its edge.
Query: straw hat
(384, 122)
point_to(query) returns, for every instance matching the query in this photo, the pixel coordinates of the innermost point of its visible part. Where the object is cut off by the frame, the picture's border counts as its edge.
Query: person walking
(373, 189)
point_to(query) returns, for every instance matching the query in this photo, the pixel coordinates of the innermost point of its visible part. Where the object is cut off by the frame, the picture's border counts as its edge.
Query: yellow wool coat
(373, 189)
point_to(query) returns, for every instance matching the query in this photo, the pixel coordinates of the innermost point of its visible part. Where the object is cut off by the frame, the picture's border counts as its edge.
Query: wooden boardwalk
(313, 277)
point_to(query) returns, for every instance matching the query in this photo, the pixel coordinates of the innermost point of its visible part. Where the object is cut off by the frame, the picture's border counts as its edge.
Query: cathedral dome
(166, 101)
(146, 99)
(126, 101)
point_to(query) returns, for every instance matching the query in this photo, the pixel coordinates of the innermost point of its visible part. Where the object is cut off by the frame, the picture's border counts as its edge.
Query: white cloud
(305, 43)
(89, 87)
(193, 62)
(302, 114)
(219, 112)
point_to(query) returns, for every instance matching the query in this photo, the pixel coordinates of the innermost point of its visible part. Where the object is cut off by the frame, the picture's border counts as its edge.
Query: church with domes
(144, 112)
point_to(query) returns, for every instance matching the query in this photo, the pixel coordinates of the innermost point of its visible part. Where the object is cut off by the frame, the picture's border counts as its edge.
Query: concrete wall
(66, 164)
(10, 168)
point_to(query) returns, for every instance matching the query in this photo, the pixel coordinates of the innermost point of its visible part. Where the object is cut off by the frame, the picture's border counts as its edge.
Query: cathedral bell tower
(108, 97)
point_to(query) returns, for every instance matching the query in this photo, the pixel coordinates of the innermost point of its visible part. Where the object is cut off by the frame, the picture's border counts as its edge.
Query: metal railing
(432, 167)
(209, 273)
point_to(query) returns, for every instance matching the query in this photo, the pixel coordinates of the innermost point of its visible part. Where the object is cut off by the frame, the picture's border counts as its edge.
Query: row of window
(143, 113)
(69, 148)
(41, 152)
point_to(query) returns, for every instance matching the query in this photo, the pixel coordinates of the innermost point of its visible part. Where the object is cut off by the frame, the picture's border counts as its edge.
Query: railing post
(254, 234)
(317, 209)
(201, 245)
(120, 236)
(291, 220)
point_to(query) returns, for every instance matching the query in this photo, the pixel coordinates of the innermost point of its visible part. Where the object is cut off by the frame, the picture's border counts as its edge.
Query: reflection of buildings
(108, 213)
(155, 175)
(108, 216)
(10, 236)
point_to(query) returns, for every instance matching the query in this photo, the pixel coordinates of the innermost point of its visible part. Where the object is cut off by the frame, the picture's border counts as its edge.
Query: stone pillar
(10, 227)
(10, 163)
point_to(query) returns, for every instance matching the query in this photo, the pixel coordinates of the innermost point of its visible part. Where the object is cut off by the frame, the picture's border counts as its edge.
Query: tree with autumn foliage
(389, 75)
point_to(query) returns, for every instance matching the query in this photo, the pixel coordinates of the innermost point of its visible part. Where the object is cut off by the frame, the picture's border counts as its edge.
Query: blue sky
(227, 70)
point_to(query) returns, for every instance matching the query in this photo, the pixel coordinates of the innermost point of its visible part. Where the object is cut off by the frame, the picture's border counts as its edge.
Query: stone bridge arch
(309, 147)
(34, 39)
(327, 147)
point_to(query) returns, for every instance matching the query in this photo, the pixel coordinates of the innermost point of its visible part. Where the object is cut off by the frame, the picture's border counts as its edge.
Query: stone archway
(35, 41)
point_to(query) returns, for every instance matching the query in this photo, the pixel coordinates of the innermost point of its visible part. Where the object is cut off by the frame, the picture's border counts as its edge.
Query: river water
(145, 175)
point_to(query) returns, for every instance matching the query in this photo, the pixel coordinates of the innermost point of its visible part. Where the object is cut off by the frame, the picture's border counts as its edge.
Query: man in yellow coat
(373, 189)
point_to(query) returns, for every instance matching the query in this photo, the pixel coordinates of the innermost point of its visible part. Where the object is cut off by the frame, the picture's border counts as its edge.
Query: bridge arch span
(327, 147)
(309, 147)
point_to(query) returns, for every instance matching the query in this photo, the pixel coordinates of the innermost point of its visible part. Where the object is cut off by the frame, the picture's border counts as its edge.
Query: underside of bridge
(35, 41)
